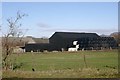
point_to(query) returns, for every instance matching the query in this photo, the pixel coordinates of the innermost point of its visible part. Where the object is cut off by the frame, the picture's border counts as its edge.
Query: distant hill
(103, 35)
(25, 40)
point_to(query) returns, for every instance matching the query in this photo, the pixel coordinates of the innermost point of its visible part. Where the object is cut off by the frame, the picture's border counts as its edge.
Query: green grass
(65, 64)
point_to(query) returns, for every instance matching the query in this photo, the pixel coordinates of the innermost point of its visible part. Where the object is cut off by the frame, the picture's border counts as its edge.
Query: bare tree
(116, 36)
(14, 32)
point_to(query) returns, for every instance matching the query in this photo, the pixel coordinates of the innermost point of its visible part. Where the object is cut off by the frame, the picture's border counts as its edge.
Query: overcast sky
(45, 18)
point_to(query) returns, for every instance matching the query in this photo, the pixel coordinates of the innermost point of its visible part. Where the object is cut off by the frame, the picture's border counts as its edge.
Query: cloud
(43, 25)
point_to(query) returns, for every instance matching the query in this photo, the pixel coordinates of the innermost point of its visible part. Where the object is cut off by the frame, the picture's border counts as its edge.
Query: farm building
(60, 41)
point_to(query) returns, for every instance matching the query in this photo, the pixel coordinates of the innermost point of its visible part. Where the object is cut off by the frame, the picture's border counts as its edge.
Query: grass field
(65, 65)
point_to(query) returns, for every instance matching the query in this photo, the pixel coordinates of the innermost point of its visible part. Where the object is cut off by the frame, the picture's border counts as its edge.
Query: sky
(45, 18)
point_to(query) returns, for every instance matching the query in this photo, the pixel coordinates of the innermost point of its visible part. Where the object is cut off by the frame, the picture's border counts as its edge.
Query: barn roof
(75, 35)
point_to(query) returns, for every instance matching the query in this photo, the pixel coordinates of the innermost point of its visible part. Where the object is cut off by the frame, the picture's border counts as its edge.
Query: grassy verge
(69, 73)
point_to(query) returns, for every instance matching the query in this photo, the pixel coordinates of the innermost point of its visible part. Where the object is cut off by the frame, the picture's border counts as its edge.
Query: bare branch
(13, 31)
